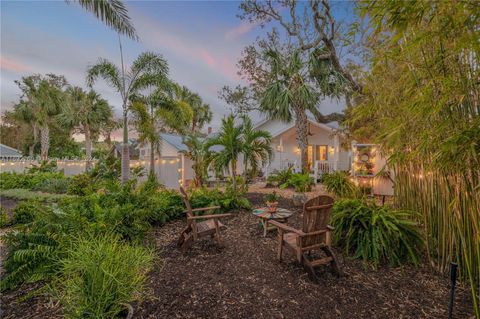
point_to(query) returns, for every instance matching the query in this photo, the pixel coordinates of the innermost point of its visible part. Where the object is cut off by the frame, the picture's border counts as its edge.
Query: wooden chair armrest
(203, 209)
(209, 216)
(286, 228)
(330, 227)
(317, 232)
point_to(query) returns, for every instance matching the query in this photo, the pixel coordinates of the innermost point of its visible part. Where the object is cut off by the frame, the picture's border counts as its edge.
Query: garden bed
(243, 279)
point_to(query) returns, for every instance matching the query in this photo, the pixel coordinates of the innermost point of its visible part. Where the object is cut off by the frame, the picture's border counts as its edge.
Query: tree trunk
(234, 175)
(31, 148)
(125, 150)
(301, 126)
(88, 148)
(44, 142)
(245, 170)
(108, 139)
(152, 161)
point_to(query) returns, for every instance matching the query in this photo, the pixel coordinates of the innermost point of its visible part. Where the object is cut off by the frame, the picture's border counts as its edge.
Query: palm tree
(290, 94)
(256, 147)
(111, 12)
(201, 111)
(42, 98)
(230, 139)
(23, 112)
(200, 155)
(85, 113)
(149, 69)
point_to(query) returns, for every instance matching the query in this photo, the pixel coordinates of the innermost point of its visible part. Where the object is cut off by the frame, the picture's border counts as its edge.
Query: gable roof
(332, 126)
(174, 140)
(7, 151)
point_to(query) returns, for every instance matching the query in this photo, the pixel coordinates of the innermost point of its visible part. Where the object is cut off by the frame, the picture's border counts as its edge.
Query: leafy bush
(204, 197)
(300, 182)
(376, 234)
(278, 178)
(100, 274)
(81, 184)
(4, 220)
(25, 194)
(339, 184)
(34, 251)
(28, 181)
(25, 212)
(53, 185)
(43, 167)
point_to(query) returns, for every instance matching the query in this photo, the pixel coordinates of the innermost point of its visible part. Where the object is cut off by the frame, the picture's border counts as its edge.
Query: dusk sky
(201, 41)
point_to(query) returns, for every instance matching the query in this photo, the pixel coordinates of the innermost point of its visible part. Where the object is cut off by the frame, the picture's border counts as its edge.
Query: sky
(201, 40)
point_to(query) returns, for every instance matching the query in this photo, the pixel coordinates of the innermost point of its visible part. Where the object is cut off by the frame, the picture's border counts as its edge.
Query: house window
(321, 152)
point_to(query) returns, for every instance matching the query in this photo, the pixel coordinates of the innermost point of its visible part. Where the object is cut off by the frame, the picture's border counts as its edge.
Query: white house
(325, 153)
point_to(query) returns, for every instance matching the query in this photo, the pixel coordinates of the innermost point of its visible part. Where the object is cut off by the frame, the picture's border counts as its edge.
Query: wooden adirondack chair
(315, 235)
(196, 229)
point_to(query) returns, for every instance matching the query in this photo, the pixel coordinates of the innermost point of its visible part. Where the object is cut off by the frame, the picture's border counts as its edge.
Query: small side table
(281, 215)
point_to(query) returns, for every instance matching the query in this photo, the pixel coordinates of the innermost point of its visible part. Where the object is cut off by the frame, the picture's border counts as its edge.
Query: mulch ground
(243, 279)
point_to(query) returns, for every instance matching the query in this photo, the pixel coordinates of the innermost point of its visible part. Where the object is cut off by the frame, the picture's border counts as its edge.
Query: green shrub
(301, 182)
(10, 180)
(278, 178)
(43, 167)
(25, 194)
(228, 200)
(165, 205)
(4, 220)
(339, 184)
(25, 212)
(53, 185)
(81, 184)
(376, 234)
(100, 274)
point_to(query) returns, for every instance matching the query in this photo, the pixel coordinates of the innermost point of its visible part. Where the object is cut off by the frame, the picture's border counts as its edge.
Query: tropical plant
(25, 212)
(271, 197)
(376, 234)
(111, 12)
(421, 99)
(339, 184)
(86, 113)
(257, 149)
(230, 139)
(301, 182)
(201, 113)
(42, 99)
(156, 113)
(149, 69)
(4, 219)
(23, 113)
(200, 155)
(100, 275)
(280, 177)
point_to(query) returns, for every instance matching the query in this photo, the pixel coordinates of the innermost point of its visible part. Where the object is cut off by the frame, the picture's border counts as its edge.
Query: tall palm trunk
(245, 169)
(125, 149)
(44, 142)
(88, 147)
(301, 126)
(31, 148)
(234, 175)
(152, 160)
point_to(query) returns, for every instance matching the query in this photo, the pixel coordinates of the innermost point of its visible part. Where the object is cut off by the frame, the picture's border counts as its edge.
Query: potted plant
(271, 200)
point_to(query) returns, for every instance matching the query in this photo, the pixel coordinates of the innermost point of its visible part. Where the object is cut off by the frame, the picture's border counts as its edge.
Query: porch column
(336, 151)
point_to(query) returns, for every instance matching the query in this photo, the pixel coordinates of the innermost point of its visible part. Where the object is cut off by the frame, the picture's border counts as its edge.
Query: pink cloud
(243, 28)
(10, 65)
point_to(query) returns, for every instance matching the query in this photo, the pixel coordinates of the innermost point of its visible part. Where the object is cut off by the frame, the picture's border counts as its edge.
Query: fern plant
(376, 234)
(339, 184)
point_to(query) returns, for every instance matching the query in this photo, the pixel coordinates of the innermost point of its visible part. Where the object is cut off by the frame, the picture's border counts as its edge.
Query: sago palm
(257, 150)
(86, 113)
(230, 139)
(149, 69)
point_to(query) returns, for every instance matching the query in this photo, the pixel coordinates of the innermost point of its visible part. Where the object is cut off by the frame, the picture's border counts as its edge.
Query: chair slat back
(187, 203)
(316, 215)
